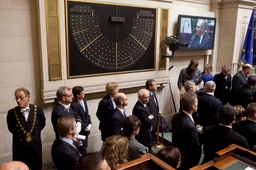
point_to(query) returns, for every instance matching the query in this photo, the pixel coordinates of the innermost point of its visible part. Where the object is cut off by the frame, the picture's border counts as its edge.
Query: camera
(173, 42)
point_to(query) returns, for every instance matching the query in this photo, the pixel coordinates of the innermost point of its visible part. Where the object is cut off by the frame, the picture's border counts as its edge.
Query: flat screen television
(197, 31)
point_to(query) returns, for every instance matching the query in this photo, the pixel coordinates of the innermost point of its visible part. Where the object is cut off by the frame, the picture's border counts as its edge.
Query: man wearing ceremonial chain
(26, 122)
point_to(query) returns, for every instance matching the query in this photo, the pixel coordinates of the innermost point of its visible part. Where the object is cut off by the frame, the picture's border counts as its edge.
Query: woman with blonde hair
(240, 112)
(189, 86)
(115, 150)
(131, 128)
(206, 74)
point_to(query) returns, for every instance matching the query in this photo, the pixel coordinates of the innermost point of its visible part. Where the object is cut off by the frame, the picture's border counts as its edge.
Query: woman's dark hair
(193, 62)
(130, 123)
(170, 155)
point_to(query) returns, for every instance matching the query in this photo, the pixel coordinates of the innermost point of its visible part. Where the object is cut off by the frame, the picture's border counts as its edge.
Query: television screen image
(197, 31)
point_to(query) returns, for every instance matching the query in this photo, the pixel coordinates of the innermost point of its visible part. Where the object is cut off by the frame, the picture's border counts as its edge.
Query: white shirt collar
(65, 106)
(226, 126)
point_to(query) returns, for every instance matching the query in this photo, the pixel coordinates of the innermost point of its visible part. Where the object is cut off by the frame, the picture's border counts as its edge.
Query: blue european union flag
(247, 53)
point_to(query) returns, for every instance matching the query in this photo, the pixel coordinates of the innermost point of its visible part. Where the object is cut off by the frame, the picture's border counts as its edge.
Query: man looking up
(64, 152)
(26, 122)
(119, 113)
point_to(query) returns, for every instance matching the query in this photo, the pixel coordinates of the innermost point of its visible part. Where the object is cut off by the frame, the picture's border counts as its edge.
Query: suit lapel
(21, 118)
(110, 103)
(30, 117)
(70, 146)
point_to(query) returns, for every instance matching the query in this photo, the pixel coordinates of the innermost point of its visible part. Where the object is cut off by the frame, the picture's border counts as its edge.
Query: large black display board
(106, 39)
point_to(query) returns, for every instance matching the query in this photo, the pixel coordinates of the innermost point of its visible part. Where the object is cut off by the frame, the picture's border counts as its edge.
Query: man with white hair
(208, 105)
(201, 39)
(143, 112)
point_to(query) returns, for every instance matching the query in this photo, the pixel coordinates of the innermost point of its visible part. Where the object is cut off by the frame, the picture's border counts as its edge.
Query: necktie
(193, 120)
(124, 113)
(198, 42)
(82, 104)
(68, 108)
(25, 113)
(24, 110)
(154, 97)
(74, 144)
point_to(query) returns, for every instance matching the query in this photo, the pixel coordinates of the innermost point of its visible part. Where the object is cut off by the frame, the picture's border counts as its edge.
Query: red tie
(75, 145)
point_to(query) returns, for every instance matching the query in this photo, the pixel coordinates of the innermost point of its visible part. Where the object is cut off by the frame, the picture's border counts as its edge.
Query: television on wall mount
(197, 31)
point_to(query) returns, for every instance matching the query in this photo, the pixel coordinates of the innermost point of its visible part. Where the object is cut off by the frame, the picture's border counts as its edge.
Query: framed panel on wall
(108, 39)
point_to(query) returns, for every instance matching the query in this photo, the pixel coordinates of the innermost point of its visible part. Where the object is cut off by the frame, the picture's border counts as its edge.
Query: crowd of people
(209, 107)
(216, 111)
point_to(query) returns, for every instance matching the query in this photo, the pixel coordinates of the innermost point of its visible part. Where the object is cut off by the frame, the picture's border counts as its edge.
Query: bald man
(143, 112)
(240, 78)
(119, 114)
(14, 165)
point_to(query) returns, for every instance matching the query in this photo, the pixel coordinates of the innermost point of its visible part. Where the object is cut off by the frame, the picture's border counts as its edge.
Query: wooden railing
(143, 162)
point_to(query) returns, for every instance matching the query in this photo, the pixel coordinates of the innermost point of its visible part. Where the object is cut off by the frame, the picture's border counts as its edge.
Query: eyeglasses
(69, 95)
(21, 98)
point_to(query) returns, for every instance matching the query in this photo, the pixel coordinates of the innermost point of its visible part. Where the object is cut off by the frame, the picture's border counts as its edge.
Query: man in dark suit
(64, 152)
(201, 39)
(26, 122)
(208, 106)
(79, 105)
(247, 128)
(221, 136)
(240, 78)
(105, 109)
(142, 111)
(153, 102)
(223, 85)
(244, 94)
(118, 114)
(62, 108)
(184, 132)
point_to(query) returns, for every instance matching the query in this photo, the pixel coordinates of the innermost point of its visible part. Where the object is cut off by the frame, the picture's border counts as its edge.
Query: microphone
(171, 67)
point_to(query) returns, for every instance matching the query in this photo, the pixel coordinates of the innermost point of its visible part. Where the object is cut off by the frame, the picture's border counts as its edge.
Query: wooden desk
(230, 158)
(142, 162)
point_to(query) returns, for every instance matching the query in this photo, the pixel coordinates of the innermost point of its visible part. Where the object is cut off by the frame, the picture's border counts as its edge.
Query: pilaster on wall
(232, 20)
